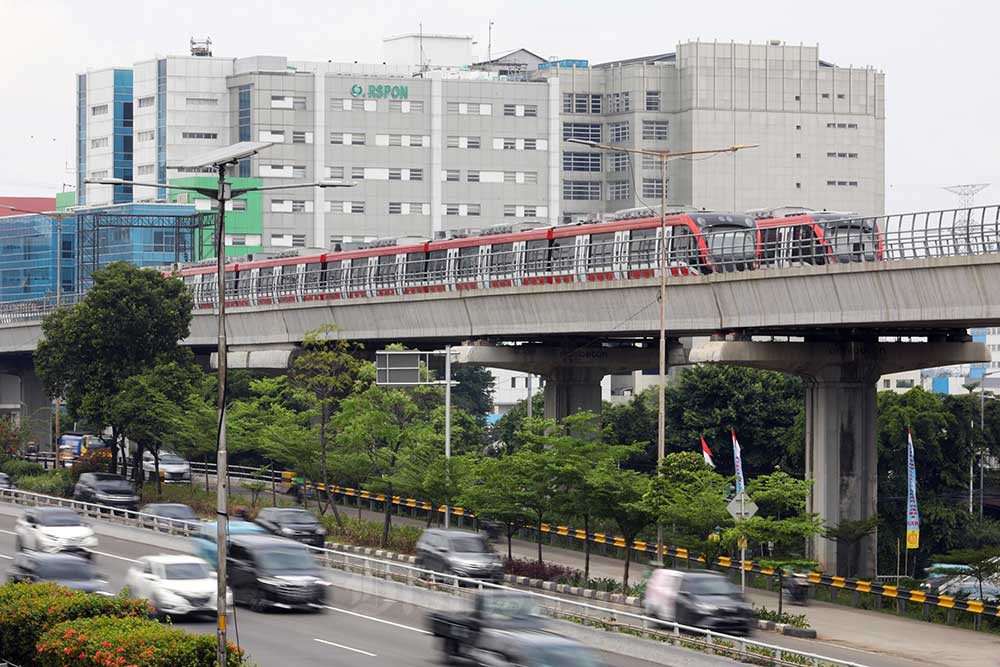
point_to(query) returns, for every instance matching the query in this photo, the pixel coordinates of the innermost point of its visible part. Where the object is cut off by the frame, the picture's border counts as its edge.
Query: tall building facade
(433, 149)
(104, 134)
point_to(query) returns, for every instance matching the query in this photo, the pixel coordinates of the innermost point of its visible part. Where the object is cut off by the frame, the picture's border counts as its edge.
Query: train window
(804, 246)
(501, 259)
(602, 250)
(188, 281)
(642, 247)
(385, 271)
(335, 276)
(684, 246)
(468, 262)
(230, 284)
(313, 277)
(288, 279)
(536, 256)
(208, 288)
(415, 267)
(359, 273)
(769, 239)
(266, 280)
(437, 265)
(562, 253)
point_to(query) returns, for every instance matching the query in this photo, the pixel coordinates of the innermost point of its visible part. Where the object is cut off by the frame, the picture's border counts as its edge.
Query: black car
(167, 516)
(271, 572)
(61, 568)
(458, 552)
(296, 524)
(6, 482)
(103, 488)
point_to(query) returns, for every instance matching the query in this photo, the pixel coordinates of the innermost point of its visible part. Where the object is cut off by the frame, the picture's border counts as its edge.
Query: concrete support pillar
(841, 419)
(23, 398)
(569, 390)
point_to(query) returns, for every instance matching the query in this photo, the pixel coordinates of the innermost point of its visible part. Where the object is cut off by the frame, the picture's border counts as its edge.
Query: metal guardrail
(555, 606)
(287, 480)
(595, 254)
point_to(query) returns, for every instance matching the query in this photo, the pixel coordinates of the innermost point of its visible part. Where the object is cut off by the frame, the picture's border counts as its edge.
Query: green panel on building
(65, 199)
(245, 220)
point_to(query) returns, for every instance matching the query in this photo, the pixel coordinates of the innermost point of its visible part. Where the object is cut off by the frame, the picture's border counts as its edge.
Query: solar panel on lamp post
(662, 157)
(219, 160)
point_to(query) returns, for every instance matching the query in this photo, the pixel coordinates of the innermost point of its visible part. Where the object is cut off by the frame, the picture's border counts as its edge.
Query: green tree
(427, 474)
(983, 564)
(496, 493)
(849, 533)
(328, 370)
(130, 320)
(620, 496)
(382, 424)
(506, 429)
(473, 392)
(689, 498)
(13, 437)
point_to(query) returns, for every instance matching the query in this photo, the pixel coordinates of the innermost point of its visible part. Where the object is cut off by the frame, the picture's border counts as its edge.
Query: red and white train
(626, 248)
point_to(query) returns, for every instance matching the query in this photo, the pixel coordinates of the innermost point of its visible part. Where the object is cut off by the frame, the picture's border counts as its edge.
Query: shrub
(52, 483)
(402, 538)
(116, 642)
(95, 460)
(794, 620)
(29, 610)
(523, 567)
(18, 469)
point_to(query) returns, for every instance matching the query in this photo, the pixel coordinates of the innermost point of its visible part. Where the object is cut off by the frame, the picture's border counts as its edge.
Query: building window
(353, 207)
(451, 209)
(301, 137)
(145, 102)
(581, 103)
(416, 174)
(825, 96)
(98, 175)
(650, 162)
(395, 174)
(298, 171)
(509, 210)
(618, 162)
(582, 131)
(463, 142)
(652, 187)
(581, 161)
(334, 172)
(406, 106)
(146, 135)
(357, 173)
(582, 190)
(473, 209)
(510, 110)
(347, 138)
(840, 96)
(467, 108)
(618, 190)
(530, 176)
(395, 208)
(200, 135)
(509, 144)
(618, 132)
(201, 101)
(237, 239)
(652, 100)
(654, 130)
(298, 206)
(100, 142)
(472, 176)
(618, 103)
(530, 144)
(452, 175)
(99, 110)
(145, 169)
(238, 204)
(798, 186)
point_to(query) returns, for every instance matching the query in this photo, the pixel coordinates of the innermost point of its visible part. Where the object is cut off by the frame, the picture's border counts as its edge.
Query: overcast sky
(940, 60)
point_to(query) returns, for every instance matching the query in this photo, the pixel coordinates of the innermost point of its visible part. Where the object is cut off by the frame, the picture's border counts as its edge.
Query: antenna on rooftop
(201, 47)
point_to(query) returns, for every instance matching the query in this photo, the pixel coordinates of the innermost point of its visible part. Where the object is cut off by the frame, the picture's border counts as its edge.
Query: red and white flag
(707, 453)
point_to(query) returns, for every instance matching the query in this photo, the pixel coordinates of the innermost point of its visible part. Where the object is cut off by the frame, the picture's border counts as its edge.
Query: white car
(54, 530)
(173, 468)
(175, 585)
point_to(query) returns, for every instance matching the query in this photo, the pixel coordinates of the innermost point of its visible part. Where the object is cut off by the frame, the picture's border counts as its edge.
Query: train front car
(849, 237)
(718, 242)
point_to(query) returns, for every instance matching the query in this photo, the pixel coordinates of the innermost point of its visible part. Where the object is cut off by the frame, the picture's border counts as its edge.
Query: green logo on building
(381, 91)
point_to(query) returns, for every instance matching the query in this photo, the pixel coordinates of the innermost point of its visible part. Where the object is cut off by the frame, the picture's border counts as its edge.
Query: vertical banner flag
(737, 463)
(707, 453)
(912, 513)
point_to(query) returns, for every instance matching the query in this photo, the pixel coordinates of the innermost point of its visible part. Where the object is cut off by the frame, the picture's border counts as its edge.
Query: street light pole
(982, 431)
(447, 426)
(662, 156)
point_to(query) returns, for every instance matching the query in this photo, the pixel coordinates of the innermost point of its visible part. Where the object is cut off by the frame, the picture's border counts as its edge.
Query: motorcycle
(796, 590)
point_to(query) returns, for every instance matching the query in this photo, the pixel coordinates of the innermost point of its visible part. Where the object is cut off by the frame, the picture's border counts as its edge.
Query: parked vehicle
(505, 628)
(105, 488)
(175, 585)
(169, 515)
(54, 530)
(60, 568)
(273, 572)
(967, 588)
(296, 524)
(74, 445)
(458, 552)
(203, 542)
(698, 598)
(6, 483)
(172, 468)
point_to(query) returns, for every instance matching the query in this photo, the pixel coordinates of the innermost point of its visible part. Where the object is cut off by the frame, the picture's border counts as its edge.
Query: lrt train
(800, 235)
(626, 247)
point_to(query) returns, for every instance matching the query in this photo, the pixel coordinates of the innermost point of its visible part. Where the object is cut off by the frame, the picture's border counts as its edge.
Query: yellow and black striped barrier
(289, 480)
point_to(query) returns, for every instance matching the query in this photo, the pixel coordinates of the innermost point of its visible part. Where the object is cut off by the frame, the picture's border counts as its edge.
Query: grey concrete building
(440, 147)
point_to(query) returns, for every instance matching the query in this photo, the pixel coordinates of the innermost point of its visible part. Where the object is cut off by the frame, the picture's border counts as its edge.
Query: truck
(74, 445)
(505, 628)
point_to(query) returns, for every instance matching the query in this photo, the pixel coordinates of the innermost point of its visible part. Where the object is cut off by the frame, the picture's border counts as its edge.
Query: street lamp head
(582, 142)
(105, 181)
(336, 184)
(739, 147)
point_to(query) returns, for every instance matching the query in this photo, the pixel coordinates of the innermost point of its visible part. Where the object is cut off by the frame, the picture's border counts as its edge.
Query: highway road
(353, 630)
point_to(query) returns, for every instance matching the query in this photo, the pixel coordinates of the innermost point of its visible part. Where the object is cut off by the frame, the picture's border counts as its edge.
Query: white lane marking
(129, 560)
(377, 620)
(9, 532)
(7, 557)
(346, 648)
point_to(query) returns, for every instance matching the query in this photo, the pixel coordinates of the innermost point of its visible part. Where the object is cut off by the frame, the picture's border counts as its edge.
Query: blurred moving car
(294, 523)
(266, 571)
(169, 515)
(6, 482)
(54, 530)
(63, 569)
(175, 585)
(938, 574)
(967, 588)
(460, 553)
(698, 598)
(505, 628)
(204, 539)
(105, 488)
(173, 468)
